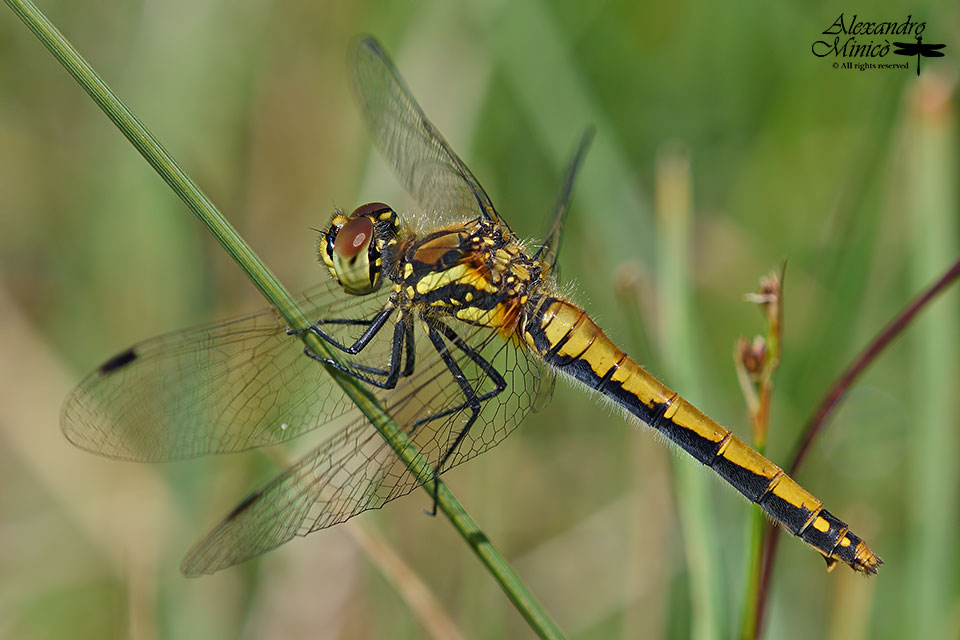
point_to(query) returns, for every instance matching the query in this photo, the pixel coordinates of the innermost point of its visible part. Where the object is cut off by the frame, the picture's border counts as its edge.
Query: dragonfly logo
(919, 49)
(862, 44)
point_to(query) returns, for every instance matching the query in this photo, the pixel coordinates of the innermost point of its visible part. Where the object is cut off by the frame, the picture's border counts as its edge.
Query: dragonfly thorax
(358, 248)
(476, 272)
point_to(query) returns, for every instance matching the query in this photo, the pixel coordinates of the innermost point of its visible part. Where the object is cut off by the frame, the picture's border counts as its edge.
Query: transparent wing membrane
(225, 387)
(423, 161)
(550, 250)
(355, 469)
(247, 383)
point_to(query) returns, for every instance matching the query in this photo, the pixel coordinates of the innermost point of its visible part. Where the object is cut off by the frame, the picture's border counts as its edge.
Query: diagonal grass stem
(208, 214)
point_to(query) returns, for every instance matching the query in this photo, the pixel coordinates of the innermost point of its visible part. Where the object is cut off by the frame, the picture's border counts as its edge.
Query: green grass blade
(933, 514)
(674, 254)
(276, 294)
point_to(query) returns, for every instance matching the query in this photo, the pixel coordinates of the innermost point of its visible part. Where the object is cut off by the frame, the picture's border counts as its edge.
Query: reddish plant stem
(830, 401)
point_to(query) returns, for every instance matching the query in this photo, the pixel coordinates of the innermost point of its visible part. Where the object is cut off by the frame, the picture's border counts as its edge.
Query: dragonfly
(918, 49)
(455, 325)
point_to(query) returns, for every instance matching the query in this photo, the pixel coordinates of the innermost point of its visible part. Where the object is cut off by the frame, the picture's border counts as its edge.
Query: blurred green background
(849, 175)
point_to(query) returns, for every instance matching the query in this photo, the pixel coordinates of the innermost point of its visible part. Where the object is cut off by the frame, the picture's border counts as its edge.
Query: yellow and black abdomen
(565, 336)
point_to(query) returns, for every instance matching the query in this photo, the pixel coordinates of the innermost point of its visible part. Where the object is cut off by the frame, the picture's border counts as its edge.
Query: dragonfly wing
(355, 469)
(550, 249)
(423, 161)
(225, 387)
(545, 391)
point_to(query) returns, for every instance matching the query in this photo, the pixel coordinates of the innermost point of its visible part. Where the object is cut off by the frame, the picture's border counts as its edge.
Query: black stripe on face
(824, 540)
(791, 516)
(743, 480)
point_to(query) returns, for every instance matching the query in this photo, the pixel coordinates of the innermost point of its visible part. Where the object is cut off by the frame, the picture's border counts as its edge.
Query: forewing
(225, 387)
(550, 249)
(423, 161)
(356, 469)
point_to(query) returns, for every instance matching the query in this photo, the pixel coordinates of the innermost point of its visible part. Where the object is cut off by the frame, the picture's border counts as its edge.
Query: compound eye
(352, 249)
(370, 209)
(353, 238)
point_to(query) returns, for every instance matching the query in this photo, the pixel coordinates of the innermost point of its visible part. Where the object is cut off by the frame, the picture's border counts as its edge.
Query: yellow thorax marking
(500, 316)
(461, 273)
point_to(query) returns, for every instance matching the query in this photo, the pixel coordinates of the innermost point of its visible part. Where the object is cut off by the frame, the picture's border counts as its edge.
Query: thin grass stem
(673, 213)
(191, 194)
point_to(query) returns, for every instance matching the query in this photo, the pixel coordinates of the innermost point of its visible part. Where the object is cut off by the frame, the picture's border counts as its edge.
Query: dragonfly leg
(473, 400)
(499, 383)
(402, 339)
(354, 321)
(374, 325)
(407, 369)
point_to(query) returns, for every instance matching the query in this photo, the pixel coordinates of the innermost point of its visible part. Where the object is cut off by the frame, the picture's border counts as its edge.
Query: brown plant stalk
(830, 401)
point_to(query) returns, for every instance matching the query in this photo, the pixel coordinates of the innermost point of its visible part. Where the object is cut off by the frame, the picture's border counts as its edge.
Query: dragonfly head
(352, 248)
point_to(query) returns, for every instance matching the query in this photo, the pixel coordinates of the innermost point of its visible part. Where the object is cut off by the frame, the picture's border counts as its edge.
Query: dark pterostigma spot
(243, 506)
(120, 360)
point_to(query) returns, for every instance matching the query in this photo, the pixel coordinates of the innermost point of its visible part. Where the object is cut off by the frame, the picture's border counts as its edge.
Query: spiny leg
(374, 325)
(402, 339)
(473, 401)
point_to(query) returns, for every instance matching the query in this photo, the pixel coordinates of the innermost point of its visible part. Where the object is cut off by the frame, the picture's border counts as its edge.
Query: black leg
(498, 381)
(355, 321)
(402, 338)
(411, 352)
(374, 325)
(472, 400)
